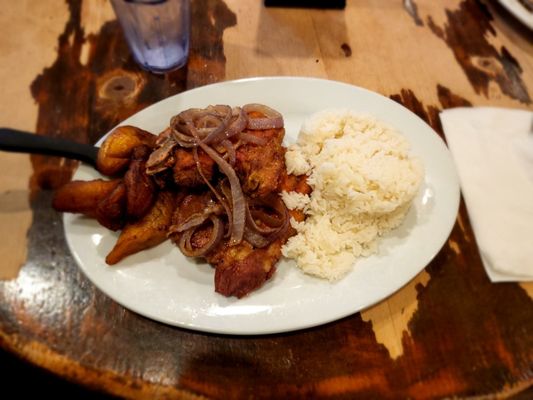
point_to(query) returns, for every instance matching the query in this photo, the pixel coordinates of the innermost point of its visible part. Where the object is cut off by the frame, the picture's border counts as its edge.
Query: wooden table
(66, 71)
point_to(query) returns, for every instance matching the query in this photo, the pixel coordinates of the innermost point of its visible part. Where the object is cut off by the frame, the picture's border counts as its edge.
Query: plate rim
(518, 11)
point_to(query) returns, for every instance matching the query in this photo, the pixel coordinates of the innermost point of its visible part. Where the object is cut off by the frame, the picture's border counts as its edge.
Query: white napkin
(493, 151)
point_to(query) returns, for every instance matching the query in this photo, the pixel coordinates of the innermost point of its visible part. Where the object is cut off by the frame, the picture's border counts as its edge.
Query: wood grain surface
(67, 72)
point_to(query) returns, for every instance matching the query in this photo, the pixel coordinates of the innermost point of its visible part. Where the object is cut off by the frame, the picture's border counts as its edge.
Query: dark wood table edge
(109, 382)
(112, 383)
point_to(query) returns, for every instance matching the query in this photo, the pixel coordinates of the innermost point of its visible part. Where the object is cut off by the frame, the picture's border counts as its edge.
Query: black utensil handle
(25, 142)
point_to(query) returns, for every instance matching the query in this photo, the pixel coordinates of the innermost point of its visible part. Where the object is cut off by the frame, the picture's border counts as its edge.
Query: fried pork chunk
(260, 167)
(239, 269)
(257, 156)
(185, 169)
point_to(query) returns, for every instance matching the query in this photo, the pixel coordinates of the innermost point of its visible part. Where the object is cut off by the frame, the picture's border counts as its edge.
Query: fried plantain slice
(140, 188)
(115, 153)
(83, 196)
(110, 211)
(147, 232)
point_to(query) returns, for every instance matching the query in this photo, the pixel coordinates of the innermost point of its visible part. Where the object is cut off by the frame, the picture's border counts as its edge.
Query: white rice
(363, 181)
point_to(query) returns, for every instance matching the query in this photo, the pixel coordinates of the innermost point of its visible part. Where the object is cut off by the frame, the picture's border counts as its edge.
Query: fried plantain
(140, 188)
(115, 153)
(110, 211)
(147, 232)
(83, 196)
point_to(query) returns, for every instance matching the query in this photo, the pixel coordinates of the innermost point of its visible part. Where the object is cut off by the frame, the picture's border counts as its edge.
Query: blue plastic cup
(157, 32)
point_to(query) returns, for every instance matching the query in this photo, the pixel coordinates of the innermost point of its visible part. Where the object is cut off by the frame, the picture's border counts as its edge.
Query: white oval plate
(163, 285)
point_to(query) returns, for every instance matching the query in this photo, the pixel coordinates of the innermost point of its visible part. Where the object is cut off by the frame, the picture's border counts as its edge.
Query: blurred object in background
(157, 32)
(338, 4)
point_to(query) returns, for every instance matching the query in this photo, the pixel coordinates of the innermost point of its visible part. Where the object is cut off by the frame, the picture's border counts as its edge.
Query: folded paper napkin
(493, 151)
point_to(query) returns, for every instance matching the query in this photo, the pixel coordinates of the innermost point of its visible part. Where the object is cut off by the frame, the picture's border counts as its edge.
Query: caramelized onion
(238, 124)
(183, 140)
(220, 198)
(272, 227)
(157, 161)
(185, 243)
(163, 136)
(271, 120)
(267, 219)
(230, 151)
(255, 239)
(218, 133)
(234, 122)
(210, 129)
(250, 138)
(196, 219)
(237, 197)
(250, 222)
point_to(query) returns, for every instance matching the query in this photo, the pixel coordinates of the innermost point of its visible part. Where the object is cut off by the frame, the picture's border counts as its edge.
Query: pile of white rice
(363, 181)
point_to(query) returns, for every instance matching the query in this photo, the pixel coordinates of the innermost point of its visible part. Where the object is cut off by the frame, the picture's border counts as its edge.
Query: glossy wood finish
(449, 333)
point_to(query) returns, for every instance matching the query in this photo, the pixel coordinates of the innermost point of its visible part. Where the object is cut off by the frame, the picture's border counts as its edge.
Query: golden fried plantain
(147, 232)
(115, 153)
(110, 211)
(83, 196)
(140, 188)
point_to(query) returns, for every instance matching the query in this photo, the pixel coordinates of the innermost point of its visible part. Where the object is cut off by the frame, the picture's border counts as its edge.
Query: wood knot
(119, 86)
(347, 50)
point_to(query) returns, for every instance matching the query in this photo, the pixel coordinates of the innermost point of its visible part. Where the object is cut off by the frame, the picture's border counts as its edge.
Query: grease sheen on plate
(163, 285)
